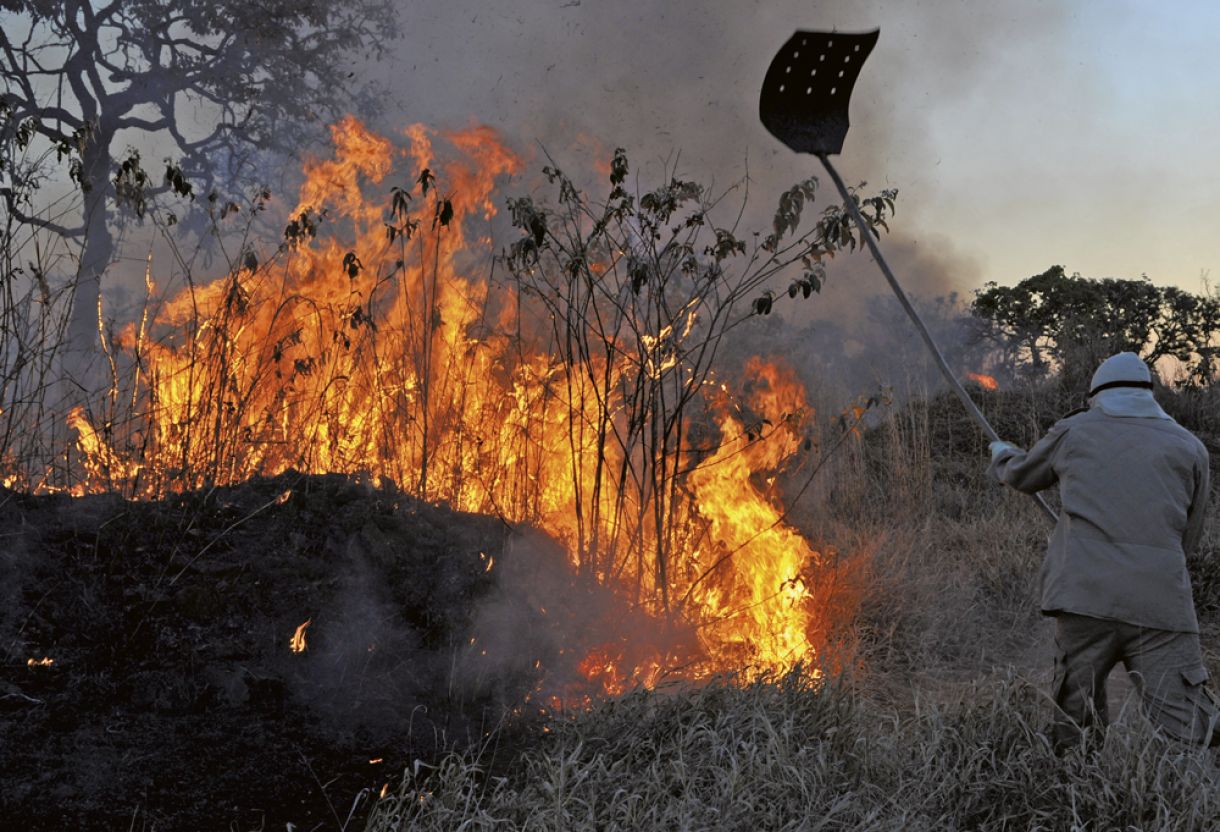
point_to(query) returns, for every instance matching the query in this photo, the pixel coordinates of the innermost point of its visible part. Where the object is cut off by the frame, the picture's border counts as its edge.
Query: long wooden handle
(867, 234)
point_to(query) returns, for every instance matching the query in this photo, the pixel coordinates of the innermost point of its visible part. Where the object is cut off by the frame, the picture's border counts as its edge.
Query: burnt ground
(174, 700)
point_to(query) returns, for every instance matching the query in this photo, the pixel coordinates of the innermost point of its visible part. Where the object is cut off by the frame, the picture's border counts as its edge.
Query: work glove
(998, 446)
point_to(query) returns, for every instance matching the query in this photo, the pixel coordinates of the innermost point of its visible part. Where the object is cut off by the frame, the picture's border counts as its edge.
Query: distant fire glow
(43, 662)
(985, 381)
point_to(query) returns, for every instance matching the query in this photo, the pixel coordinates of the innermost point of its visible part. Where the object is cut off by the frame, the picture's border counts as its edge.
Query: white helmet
(1126, 369)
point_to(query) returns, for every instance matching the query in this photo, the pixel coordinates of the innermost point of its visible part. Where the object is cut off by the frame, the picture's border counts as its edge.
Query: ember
(298, 638)
(43, 662)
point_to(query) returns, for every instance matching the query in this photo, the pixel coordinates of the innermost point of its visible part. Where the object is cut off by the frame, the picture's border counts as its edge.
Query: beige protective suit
(1134, 492)
(1134, 487)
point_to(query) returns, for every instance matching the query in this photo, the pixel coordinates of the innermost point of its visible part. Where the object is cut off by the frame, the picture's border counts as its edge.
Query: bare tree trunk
(82, 358)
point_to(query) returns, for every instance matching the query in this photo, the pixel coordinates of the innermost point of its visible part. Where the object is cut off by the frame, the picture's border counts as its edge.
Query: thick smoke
(677, 84)
(684, 77)
(442, 623)
(855, 339)
(544, 621)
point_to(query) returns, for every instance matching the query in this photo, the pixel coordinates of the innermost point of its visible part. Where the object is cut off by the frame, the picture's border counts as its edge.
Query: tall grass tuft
(799, 752)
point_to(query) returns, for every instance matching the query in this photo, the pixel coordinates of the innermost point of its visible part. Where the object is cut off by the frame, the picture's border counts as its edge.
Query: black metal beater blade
(807, 88)
(804, 105)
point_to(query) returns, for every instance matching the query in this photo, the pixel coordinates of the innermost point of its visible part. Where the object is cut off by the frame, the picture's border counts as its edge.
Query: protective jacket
(1134, 489)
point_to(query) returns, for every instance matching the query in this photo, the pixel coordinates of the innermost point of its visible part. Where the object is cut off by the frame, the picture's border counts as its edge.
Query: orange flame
(762, 603)
(372, 344)
(984, 381)
(298, 638)
(43, 662)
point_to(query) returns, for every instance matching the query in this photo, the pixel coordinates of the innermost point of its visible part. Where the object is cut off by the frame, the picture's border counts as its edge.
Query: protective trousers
(1166, 668)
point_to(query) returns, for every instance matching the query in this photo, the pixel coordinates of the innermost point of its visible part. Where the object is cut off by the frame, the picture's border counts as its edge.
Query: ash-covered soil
(175, 701)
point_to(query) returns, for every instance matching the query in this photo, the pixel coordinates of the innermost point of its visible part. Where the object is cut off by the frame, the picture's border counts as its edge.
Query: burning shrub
(585, 396)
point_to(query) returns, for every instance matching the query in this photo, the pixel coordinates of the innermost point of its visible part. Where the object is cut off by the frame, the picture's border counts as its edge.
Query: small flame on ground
(985, 381)
(385, 789)
(298, 638)
(43, 662)
(376, 760)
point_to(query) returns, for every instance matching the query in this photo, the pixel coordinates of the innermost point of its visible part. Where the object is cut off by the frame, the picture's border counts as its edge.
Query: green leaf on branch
(400, 202)
(131, 184)
(807, 283)
(788, 213)
(304, 227)
(664, 201)
(726, 245)
(762, 304)
(618, 167)
(526, 216)
(176, 180)
(444, 213)
(637, 272)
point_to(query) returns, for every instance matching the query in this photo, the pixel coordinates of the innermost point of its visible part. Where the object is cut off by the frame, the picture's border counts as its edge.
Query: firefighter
(1133, 484)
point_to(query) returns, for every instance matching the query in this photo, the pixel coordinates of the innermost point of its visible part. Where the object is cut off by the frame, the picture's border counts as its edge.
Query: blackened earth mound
(175, 701)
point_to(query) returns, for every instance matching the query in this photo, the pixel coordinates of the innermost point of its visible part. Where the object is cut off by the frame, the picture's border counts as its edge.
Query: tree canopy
(1070, 322)
(220, 79)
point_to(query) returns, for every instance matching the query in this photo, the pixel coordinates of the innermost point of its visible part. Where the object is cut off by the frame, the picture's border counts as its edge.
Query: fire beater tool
(804, 104)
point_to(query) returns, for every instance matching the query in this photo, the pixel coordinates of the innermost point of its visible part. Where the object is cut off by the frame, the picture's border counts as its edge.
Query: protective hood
(1122, 386)
(1128, 402)
(1124, 369)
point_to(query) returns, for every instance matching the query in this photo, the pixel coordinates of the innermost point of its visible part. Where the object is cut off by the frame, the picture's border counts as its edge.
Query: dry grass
(793, 753)
(938, 721)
